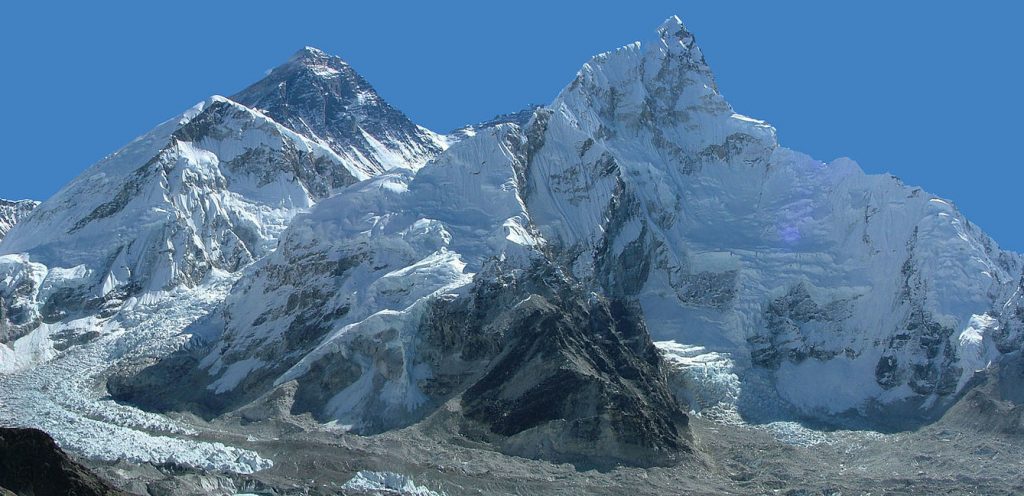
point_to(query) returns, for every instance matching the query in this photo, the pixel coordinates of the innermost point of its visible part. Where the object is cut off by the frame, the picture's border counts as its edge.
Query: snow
(643, 165)
(977, 348)
(64, 395)
(387, 483)
(417, 237)
(830, 387)
(708, 379)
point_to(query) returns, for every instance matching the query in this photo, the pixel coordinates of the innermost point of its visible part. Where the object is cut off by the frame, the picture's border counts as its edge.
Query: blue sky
(929, 91)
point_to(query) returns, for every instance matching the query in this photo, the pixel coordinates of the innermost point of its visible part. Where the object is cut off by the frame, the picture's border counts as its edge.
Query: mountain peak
(677, 40)
(673, 26)
(309, 55)
(323, 98)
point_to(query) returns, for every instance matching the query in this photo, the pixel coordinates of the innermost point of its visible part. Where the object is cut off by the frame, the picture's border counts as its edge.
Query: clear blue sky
(929, 91)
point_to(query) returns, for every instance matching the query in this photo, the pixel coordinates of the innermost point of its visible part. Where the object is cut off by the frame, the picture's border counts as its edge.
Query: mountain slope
(321, 97)
(136, 249)
(826, 293)
(208, 191)
(382, 305)
(11, 212)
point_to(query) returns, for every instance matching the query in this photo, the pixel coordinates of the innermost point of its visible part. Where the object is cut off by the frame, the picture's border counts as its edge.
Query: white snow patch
(387, 483)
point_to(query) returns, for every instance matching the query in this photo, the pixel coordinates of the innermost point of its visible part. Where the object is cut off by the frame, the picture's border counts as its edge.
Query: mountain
(144, 243)
(834, 293)
(405, 292)
(563, 283)
(11, 212)
(207, 192)
(819, 292)
(321, 97)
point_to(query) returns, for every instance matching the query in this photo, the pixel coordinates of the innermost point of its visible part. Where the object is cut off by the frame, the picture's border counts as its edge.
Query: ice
(64, 396)
(387, 483)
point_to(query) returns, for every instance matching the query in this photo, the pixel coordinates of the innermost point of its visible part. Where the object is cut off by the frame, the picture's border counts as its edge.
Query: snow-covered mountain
(407, 292)
(321, 97)
(559, 283)
(11, 212)
(816, 290)
(118, 263)
(841, 292)
(210, 190)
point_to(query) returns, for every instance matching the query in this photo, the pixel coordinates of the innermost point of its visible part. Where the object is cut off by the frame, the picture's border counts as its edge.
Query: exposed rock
(323, 98)
(32, 464)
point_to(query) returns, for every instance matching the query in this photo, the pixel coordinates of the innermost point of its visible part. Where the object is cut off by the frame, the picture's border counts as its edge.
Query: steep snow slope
(11, 212)
(847, 292)
(324, 99)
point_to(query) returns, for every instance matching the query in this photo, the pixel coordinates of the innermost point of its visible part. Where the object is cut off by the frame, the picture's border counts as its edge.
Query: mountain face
(407, 292)
(11, 212)
(324, 99)
(822, 292)
(835, 292)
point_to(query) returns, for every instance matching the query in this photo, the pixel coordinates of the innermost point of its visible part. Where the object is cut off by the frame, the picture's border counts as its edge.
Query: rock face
(575, 381)
(320, 96)
(11, 212)
(31, 463)
(995, 401)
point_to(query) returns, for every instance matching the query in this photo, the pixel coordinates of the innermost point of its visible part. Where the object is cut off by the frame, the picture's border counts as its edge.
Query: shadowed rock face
(31, 463)
(578, 381)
